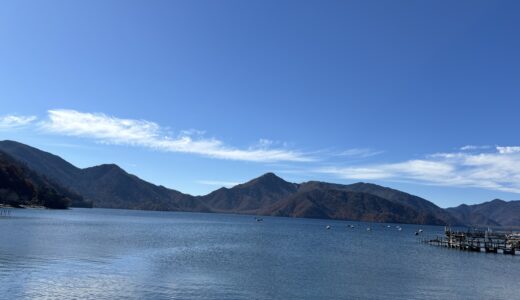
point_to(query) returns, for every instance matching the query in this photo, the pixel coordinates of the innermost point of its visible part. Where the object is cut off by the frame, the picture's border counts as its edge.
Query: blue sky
(421, 96)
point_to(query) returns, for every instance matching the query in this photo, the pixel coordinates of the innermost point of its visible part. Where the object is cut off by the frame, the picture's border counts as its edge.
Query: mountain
(343, 205)
(50, 165)
(250, 196)
(108, 186)
(112, 187)
(493, 213)
(20, 186)
(428, 213)
(271, 195)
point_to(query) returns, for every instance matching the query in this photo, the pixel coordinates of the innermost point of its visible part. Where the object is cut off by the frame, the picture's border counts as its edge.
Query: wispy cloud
(498, 170)
(360, 152)
(113, 130)
(489, 167)
(218, 183)
(475, 147)
(15, 121)
(508, 150)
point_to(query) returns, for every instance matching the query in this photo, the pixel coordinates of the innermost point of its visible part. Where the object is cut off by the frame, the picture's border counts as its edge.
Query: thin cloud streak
(475, 147)
(498, 170)
(360, 152)
(15, 121)
(218, 183)
(494, 168)
(113, 130)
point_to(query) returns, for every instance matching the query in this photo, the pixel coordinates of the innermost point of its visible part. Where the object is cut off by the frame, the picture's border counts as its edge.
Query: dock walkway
(479, 241)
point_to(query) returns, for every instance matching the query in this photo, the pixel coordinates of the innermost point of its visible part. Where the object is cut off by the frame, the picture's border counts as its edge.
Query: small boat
(420, 230)
(368, 228)
(399, 229)
(328, 227)
(259, 219)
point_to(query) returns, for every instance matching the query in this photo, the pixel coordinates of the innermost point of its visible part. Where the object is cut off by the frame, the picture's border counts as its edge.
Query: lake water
(120, 254)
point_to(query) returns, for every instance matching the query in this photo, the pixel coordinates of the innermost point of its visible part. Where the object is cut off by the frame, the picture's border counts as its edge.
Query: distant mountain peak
(108, 166)
(270, 176)
(104, 169)
(252, 195)
(267, 178)
(497, 201)
(12, 142)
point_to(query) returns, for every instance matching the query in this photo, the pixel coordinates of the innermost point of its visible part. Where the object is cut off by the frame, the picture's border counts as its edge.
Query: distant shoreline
(23, 206)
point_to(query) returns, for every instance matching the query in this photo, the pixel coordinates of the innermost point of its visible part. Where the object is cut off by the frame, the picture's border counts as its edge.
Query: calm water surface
(119, 254)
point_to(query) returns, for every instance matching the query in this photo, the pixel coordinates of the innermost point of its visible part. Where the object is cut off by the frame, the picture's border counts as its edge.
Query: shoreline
(6, 206)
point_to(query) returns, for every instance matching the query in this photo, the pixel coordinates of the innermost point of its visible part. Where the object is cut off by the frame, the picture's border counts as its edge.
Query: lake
(121, 254)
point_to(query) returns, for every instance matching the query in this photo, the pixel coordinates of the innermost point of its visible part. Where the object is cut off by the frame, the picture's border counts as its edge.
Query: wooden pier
(5, 212)
(479, 241)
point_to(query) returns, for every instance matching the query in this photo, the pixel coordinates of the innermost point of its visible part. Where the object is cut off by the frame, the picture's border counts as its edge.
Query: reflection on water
(118, 254)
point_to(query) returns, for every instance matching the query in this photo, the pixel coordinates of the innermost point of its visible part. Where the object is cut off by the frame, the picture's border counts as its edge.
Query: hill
(19, 186)
(493, 213)
(271, 195)
(252, 196)
(107, 186)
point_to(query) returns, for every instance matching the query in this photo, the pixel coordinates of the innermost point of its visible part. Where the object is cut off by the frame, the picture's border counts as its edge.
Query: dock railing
(478, 241)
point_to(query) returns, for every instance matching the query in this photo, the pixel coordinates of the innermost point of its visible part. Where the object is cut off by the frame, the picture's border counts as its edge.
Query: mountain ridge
(496, 212)
(20, 186)
(107, 185)
(110, 186)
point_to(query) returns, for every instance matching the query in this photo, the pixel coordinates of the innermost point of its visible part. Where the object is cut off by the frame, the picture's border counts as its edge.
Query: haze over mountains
(109, 186)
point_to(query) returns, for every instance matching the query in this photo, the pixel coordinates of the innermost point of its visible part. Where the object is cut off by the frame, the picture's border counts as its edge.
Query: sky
(421, 96)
